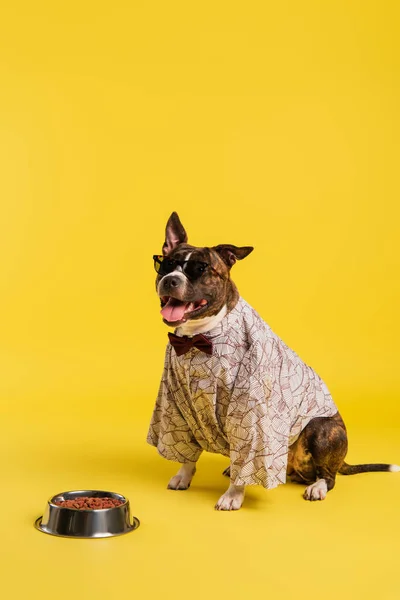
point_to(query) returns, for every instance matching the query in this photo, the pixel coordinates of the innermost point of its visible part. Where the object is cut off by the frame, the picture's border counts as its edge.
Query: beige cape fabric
(249, 400)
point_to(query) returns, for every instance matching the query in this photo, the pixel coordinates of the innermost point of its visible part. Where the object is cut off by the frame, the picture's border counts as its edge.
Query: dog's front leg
(232, 499)
(183, 478)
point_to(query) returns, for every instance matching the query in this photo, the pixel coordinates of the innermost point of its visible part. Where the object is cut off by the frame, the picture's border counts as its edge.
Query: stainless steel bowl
(97, 523)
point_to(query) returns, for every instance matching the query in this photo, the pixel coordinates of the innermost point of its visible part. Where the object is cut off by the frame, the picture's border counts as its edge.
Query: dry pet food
(89, 503)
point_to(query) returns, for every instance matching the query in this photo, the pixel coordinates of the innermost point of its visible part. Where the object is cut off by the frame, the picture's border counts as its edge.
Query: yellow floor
(270, 124)
(277, 546)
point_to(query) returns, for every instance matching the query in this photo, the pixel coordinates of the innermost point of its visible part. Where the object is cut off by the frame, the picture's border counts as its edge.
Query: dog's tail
(346, 469)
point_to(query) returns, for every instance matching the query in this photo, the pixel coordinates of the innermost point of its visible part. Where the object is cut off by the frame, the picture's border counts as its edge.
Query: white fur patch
(394, 468)
(316, 491)
(194, 326)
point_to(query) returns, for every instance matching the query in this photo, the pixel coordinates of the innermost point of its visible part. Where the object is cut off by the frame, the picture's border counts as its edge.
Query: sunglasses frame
(159, 258)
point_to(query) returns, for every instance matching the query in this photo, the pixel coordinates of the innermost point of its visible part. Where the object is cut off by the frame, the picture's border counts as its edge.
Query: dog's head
(194, 283)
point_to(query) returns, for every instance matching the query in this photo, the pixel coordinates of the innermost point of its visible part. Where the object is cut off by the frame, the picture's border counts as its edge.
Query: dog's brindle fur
(318, 454)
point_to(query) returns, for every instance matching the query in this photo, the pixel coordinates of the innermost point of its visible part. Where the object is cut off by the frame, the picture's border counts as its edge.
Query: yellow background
(273, 124)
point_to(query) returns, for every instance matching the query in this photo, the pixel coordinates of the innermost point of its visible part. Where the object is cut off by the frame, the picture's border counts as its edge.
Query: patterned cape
(249, 400)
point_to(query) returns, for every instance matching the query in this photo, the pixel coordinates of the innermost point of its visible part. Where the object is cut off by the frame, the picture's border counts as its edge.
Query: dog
(231, 386)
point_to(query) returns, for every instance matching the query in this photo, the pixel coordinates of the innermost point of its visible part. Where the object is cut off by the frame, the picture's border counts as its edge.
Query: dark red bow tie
(182, 344)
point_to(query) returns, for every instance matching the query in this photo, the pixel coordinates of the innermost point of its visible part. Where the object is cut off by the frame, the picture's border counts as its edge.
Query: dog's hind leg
(326, 440)
(183, 478)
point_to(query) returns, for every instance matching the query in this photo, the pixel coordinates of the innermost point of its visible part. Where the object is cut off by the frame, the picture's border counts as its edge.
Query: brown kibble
(89, 503)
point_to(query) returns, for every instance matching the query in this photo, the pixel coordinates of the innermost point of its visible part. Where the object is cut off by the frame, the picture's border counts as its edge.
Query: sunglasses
(193, 269)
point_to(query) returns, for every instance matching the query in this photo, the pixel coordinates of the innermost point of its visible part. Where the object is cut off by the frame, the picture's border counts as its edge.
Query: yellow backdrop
(272, 124)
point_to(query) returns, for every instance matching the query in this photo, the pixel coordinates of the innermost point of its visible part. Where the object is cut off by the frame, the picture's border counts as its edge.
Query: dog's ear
(230, 254)
(175, 234)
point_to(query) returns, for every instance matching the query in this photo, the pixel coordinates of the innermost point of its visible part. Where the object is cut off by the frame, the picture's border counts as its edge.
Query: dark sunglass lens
(195, 268)
(167, 266)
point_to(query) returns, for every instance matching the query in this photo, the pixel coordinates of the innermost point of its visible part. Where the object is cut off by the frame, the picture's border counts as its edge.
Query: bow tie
(182, 344)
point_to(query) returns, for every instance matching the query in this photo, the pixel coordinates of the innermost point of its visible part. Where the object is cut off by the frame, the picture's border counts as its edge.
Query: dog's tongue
(174, 310)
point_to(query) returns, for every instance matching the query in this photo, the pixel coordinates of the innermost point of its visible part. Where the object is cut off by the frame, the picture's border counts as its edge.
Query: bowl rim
(87, 493)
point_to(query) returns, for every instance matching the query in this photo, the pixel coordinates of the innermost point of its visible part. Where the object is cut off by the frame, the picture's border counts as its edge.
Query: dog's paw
(183, 479)
(227, 472)
(231, 500)
(316, 491)
(179, 482)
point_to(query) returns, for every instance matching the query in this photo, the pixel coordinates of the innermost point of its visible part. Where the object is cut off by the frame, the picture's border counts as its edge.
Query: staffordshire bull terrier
(231, 386)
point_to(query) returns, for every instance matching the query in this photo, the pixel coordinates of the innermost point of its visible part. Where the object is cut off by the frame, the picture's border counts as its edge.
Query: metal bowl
(95, 523)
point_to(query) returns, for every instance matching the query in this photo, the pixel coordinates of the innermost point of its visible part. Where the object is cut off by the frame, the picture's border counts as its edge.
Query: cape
(249, 400)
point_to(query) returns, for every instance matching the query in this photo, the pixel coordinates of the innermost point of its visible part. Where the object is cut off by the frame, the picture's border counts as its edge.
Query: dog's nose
(170, 282)
(170, 285)
(173, 282)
